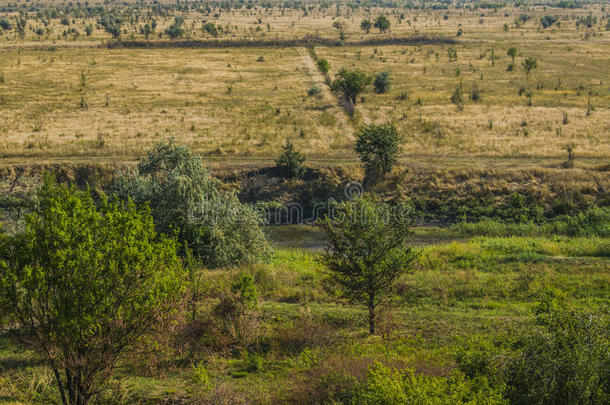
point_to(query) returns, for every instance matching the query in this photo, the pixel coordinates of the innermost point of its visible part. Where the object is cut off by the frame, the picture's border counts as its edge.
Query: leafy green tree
(529, 64)
(366, 251)
(366, 25)
(548, 20)
(382, 82)
(349, 84)
(323, 65)
(379, 148)
(382, 23)
(185, 199)
(85, 283)
(290, 162)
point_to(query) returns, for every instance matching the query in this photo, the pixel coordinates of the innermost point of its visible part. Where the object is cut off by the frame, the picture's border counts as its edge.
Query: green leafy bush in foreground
(391, 387)
(85, 283)
(562, 358)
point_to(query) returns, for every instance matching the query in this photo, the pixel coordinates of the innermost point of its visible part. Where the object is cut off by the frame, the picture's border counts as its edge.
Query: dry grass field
(69, 98)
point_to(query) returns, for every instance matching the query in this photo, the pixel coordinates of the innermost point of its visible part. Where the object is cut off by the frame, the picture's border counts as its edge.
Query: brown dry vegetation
(244, 102)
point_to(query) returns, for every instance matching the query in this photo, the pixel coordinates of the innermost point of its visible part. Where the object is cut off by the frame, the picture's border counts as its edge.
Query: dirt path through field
(320, 82)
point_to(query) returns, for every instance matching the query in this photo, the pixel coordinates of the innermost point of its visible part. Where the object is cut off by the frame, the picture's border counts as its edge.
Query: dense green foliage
(365, 25)
(382, 23)
(84, 283)
(592, 222)
(382, 82)
(290, 162)
(390, 387)
(323, 65)
(349, 84)
(379, 147)
(185, 199)
(562, 358)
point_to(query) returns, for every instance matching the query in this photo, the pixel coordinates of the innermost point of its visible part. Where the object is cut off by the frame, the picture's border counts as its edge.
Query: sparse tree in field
(290, 162)
(146, 30)
(211, 29)
(349, 84)
(5, 24)
(548, 20)
(379, 147)
(529, 64)
(512, 52)
(84, 282)
(382, 82)
(366, 25)
(452, 54)
(185, 199)
(340, 26)
(382, 23)
(457, 98)
(112, 25)
(176, 30)
(366, 251)
(323, 65)
(475, 93)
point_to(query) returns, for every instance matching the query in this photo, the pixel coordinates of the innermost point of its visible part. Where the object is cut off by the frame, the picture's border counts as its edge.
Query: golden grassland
(66, 99)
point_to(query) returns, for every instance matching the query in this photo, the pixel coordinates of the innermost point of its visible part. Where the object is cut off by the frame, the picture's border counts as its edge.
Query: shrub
(548, 20)
(236, 321)
(175, 30)
(323, 65)
(382, 82)
(382, 23)
(84, 283)
(384, 385)
(366, 25)
(211, 29)
(379, 148)
(185, 199)
(5, 24)
(290, 162)
(475, 93)
(564, 359)
(313, 91)
(529, 64)
(456, 97)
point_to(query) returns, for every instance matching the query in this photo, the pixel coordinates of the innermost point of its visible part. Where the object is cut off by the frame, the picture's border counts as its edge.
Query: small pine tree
(382, 82)
(290, 162)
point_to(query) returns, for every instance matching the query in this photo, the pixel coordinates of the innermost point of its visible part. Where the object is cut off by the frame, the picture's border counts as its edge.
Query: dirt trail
(320, 82)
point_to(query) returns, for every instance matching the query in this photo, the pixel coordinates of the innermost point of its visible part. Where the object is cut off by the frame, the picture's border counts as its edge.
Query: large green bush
(84, 283)
(561, 358)
(185, 199)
